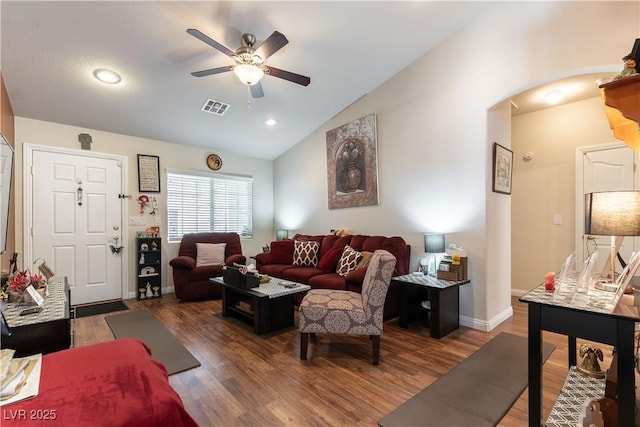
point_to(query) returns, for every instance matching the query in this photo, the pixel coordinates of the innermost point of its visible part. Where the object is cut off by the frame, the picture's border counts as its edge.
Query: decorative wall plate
(214, 162)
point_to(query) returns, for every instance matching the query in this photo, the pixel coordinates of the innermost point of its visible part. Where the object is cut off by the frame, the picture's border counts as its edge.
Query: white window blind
(200, 203)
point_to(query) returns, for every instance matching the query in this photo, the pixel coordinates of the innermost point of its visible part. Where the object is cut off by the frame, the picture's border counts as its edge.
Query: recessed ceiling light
(271, 122)
(106, 76)
(554, 96)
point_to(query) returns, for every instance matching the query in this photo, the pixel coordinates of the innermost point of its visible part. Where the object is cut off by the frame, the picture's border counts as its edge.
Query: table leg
(535, 365)
(403, 319)
(225, 300)
(573, 348)
(626, 372)
(445, 311)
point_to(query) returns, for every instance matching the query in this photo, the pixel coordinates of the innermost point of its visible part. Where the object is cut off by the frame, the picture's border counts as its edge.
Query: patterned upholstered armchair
(330, 311)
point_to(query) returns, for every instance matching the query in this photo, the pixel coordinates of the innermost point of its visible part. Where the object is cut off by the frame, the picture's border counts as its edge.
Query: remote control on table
(30, 311)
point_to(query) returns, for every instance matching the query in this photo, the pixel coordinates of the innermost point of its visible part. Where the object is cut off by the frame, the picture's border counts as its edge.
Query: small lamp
(433, 244)
(282, 234)
(612, 213)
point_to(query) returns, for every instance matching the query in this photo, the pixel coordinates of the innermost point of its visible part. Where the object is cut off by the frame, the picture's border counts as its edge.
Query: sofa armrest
(185, 262)
(237, 258)
(262, 259)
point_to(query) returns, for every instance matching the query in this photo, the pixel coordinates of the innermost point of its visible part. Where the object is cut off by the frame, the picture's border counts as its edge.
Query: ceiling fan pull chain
(248, 97)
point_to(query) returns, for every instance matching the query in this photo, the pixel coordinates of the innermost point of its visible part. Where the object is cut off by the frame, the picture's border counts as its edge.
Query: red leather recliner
(191, 282)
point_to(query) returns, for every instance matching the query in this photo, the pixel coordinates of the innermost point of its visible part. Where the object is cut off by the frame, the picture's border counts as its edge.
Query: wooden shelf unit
(149, 267)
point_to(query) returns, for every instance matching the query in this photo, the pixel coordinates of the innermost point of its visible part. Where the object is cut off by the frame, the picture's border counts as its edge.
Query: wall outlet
(557, 219)
(137, 220)
(157, 221)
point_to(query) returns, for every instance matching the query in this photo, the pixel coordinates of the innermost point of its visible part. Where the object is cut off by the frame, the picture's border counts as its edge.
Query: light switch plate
(137, 220)
(157, 221)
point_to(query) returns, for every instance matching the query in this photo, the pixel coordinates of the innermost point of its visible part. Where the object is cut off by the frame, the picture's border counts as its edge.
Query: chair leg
(313, 336)
(376, 349)
(304, 342)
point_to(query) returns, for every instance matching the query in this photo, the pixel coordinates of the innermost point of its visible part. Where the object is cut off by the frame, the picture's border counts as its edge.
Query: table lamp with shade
(433, 244)
(282, 234)
(615, 214)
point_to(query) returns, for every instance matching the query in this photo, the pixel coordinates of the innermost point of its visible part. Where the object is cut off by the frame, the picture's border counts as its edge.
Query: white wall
(172, 156)
(546, 185)
(434, 138)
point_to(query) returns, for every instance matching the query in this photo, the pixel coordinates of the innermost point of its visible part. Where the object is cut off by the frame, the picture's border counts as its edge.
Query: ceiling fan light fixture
(248, 74)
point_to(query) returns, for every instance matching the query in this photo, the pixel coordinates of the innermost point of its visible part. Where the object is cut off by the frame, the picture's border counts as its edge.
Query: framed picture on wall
(502, 169)
(148, 173)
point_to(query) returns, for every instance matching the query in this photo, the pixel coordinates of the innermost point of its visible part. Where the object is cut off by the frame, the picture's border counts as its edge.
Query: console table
(44, 332)
(442, 298)
(597, 316)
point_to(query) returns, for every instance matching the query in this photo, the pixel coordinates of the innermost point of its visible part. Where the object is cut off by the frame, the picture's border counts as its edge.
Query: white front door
(609, 168)
(76, 212)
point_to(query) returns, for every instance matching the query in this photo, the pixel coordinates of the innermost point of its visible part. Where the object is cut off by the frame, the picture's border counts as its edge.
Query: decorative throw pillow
(348, 261)
(209, 254)
(281, 252)
(306, 253)
(364, 261)
(328, 262)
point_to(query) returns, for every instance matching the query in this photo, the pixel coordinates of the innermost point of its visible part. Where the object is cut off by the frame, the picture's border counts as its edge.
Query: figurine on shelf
(142, 292)
(154, 246)
(141, 259)
(149, 291)
(629, 68)
(156, 291)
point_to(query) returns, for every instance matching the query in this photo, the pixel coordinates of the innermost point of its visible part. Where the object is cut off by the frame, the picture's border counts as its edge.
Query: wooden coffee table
(268, 307)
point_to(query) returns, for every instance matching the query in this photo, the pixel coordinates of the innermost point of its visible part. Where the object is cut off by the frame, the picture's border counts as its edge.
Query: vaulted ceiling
(50, 50)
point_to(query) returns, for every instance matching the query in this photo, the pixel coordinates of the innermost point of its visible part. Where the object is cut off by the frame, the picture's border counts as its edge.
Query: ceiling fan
(249, 61)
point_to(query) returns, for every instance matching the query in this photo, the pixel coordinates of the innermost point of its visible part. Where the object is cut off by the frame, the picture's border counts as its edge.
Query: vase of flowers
(19, 283)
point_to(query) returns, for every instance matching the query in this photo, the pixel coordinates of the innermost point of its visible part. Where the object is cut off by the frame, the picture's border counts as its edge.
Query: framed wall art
(502, 169)
(148, 173)
(352, 164)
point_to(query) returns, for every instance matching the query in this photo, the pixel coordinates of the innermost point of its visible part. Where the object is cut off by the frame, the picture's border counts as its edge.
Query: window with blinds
(200, 203)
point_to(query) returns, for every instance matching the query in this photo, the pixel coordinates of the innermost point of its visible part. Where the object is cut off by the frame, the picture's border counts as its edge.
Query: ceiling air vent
(215, 107)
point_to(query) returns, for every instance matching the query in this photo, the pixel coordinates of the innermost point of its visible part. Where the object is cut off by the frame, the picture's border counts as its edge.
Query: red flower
(23, 279)
(19, 282)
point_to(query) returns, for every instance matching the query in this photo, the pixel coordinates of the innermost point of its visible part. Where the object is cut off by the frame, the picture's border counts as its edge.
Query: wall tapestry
(352, 165)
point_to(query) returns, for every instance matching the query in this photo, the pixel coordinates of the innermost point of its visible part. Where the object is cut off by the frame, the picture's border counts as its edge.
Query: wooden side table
(443, 297)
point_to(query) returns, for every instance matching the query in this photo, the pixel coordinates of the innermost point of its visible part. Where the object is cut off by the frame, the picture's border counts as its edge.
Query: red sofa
(192, 282)
(279, 263)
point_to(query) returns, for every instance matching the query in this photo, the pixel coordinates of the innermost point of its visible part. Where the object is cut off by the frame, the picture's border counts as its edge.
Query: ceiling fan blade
(256, 90)
(211, 42)
(211, 71)
(288, 75)
(271, 45)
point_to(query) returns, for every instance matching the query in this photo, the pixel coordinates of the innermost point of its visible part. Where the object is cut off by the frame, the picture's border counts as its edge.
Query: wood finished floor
(250, 380)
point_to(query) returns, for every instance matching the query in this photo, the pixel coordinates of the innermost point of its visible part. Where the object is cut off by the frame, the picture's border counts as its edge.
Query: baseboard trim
(519, 292)
(484, 325)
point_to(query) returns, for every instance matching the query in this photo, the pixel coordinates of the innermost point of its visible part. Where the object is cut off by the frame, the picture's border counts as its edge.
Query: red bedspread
(116, 383)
